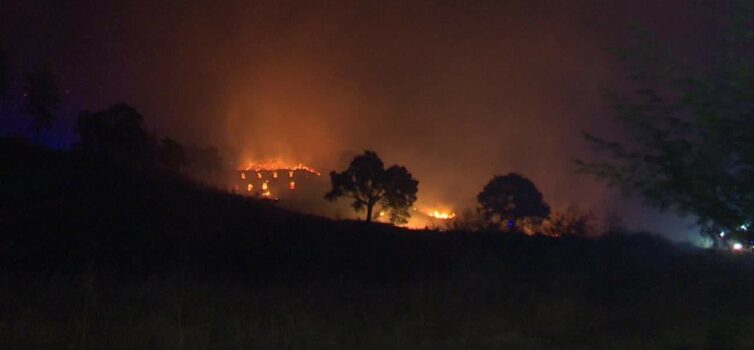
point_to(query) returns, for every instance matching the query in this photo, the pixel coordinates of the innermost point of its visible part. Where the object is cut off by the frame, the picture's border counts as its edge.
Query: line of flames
(440, 214)
(279, 166)
(276, 166)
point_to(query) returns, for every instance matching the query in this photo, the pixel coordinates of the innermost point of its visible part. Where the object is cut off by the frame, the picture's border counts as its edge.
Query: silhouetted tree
(400, 193)
(691, 135)
(42, 98)
(508, 198)
(368, 183)
(116, 134)
(171, 154)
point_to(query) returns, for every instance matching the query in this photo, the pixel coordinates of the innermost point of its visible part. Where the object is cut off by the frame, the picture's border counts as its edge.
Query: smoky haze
(456, 91)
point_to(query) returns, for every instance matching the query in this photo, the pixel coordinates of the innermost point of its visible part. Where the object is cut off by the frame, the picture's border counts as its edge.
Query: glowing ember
(243, 176)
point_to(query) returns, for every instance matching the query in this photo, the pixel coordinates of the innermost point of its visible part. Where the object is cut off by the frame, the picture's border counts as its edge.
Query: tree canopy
(506, 199)
(691, 141)
(368, 184)
(116, 133)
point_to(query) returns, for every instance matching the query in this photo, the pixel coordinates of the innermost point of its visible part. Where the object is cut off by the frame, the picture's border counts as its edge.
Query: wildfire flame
(441, 214)
(280, 166)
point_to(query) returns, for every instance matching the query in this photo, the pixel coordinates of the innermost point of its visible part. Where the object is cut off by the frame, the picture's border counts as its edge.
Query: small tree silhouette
(508, 198)
(116, 134)
(368, 183)
(42, 97)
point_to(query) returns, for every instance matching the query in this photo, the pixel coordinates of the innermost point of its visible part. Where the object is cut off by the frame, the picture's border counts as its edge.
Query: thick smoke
(457, 91)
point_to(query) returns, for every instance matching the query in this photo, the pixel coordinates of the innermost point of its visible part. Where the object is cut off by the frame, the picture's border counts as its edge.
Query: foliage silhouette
(368, 184)
(506, 199)
(116, 134)
(691, 145)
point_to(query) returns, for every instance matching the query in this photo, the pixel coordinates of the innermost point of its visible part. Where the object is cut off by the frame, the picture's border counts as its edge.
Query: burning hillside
(273, 180)
(424, 218)
(301, 187)
(443, 214)
(429, 217)
(279, 166)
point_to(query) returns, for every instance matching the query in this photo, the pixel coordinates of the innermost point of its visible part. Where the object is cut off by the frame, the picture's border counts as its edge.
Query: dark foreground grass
(94, 257)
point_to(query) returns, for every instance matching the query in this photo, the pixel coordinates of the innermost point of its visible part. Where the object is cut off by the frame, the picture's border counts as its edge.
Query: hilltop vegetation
(97, 256)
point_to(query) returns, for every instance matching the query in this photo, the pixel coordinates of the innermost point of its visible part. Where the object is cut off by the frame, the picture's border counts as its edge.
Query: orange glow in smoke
(264, 186)
(243, 176)
(249, 188)
(292, 185)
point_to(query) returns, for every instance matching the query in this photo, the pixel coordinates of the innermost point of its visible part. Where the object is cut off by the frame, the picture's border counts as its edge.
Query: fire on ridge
(280, 166)
(272, 180)
(299, 183)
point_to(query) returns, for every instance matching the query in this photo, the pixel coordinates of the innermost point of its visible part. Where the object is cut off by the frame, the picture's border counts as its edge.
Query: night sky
(457, 91)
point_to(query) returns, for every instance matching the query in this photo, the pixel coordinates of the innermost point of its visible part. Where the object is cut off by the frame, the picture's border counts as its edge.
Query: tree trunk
(370, 206)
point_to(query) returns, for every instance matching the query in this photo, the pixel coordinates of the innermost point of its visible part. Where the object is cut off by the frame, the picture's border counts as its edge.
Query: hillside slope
(95, 256)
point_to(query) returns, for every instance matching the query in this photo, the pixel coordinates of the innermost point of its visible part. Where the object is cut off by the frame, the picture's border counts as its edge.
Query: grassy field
(96, 257)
